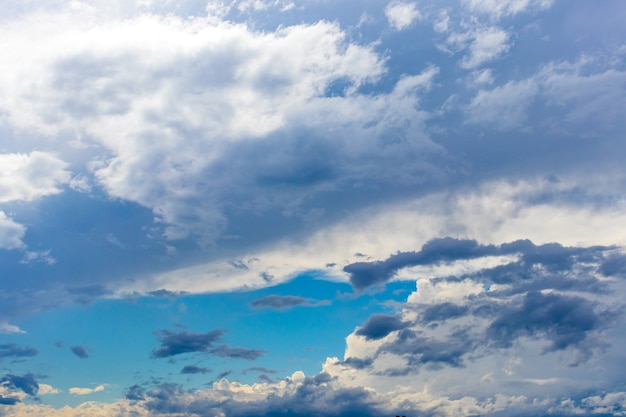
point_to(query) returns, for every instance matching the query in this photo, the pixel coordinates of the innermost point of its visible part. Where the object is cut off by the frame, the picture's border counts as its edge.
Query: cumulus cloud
(401, 14)
(11, 233)
(26, 177)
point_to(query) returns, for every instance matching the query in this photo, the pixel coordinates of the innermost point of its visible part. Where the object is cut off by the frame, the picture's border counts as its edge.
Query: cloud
(173, 343)
(379, 326)
(504, 107)
(13, 350)
(280, 301)
(499, 8)
(79, 351)
(401, 14)
(26, 177)
(237, 353)
(9, 328)
(11, 233)
(86, 391)
(191, 369)
(25, 383)
(45, 389)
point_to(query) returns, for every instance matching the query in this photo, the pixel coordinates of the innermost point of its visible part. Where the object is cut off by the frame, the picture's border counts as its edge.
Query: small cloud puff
(401, 15)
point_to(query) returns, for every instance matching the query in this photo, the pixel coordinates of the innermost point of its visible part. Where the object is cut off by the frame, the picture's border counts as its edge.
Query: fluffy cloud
(499, 8)
(26, 177)
(11, 233)
(401, 15)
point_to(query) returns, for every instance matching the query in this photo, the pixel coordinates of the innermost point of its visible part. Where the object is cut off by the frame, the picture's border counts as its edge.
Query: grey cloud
(442, 312)
(191, 369)
(13, 350)
(79, 351)
(173, 343)
(237, 353)
(279, 301)
(316, 396)
(564, 320)
(380, 325)
(553, 256)
(420, 350)
(8, 400)
(135, 393)
(25, 383)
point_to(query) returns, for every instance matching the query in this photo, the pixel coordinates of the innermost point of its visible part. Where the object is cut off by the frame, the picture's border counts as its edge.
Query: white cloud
(45, 389)
(402, 15)
(120, 85)
(86, 391)
(504, 107)
(499, 8)
(9, 328)
(26, 177)
(11, 233)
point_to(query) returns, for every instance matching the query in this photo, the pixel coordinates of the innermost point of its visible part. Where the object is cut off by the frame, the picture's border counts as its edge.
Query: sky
(312, 208)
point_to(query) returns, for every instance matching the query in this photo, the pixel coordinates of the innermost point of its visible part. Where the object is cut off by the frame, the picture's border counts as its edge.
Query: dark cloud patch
(552, 256)
(420, 350)
(191, 369)
(380, 325)
(135, 393)
(79, 351)
(565, 321)
(237, 353)
(614, 266)
(163, 293)
(279, 301)
(356, 363)
(12, 350)
(442, 312)
(173, 343)
(260, 369)
(25, 383)
(8, 400)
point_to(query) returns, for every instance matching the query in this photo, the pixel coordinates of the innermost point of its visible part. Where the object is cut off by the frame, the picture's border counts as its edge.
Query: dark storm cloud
(25, 383)
(552, 256)
(191, 369)
(279, 301)
(564, 320)
(237, 353)
(380, 325)
(173, 343)
(79, 351)
(13, 350)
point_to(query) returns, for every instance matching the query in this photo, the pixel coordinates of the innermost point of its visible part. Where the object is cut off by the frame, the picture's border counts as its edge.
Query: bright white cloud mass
(281, 208)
